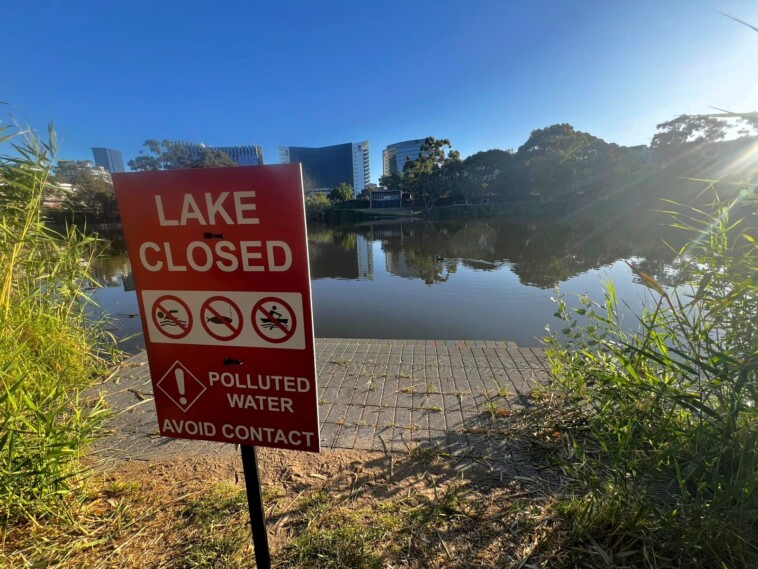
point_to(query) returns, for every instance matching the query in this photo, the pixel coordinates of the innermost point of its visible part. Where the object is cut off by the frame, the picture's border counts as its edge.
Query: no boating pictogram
(221, 318)
(172, 317)
(274, 320)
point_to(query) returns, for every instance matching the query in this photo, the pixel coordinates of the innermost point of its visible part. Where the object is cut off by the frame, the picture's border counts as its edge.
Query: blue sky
(484, 74)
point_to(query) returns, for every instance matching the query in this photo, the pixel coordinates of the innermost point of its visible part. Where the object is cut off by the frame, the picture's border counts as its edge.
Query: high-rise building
(248, 155)
(327, 167)
(109, 159)
(395, 155)
(245, 155)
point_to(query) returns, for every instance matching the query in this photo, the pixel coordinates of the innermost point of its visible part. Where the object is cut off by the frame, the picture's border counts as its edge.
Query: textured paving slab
(390, 395)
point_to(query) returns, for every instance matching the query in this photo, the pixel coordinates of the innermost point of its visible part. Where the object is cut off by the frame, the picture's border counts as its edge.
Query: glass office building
(243, 155)
(395, 155)
(327, 167)
(109, 159)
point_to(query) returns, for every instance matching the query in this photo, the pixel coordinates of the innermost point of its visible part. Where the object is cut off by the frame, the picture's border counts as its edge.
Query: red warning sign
(220, 263)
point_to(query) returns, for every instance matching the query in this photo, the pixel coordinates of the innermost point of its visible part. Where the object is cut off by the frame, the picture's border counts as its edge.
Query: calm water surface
(478, 280)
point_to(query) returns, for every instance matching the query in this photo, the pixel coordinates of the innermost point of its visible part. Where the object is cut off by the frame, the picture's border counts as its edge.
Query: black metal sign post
(255, 506)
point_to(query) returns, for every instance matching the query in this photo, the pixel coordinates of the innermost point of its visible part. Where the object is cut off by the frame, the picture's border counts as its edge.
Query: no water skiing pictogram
(172, 317)
(221, 318)
(274, 320)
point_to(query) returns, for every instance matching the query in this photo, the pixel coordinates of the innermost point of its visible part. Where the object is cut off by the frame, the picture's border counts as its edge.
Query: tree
(342, 193)
(480, 171)
(316, 207)
(433, 174)
(170, 155)
(309, 183)
(91, 192)
(392, 182)
(562, 160)
(689, 129)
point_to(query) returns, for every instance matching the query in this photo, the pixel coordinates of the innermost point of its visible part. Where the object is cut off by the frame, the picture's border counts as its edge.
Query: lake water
(475, 280)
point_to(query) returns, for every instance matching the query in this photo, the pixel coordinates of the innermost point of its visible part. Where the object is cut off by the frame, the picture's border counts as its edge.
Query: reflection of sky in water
(471, 304)
(392, 281)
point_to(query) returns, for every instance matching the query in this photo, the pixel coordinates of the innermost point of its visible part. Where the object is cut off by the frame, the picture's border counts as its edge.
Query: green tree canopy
(433, 174)
(685, 129)
(342, 193)
(480, 171)
(565, 161)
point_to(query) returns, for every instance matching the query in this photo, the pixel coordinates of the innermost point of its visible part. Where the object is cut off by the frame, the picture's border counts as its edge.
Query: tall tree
(564, 161)
(433, 174)
(480, 171)
(689, 129)
(170, 155)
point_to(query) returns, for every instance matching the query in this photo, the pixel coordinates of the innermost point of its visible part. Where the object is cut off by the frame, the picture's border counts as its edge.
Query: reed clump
(663, 438)
(49, 353)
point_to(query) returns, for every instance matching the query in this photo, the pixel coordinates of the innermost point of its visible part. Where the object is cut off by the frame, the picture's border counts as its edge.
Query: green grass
(663, 422)
(445, 504)
(218, 522)
(50, 351)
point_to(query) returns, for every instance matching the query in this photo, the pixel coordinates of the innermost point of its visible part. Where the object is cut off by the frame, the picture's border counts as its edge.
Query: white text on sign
(242, 434)
(205, 214)
(226, 208)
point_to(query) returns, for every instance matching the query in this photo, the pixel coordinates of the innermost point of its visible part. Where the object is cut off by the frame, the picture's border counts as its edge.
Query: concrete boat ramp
(381, 395)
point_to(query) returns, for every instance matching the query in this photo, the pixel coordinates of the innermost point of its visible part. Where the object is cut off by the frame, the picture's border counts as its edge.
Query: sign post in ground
(220, 264)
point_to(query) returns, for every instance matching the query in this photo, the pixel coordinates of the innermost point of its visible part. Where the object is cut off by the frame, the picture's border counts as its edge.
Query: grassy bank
(49, 352)
(661, 426)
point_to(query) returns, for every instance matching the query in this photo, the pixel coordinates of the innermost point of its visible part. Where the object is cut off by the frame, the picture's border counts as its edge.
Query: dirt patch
(335, 509)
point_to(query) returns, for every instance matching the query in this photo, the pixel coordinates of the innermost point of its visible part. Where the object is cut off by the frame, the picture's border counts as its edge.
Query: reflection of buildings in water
(349, 258)
(397, 264)
(387, 231)
(365, 258)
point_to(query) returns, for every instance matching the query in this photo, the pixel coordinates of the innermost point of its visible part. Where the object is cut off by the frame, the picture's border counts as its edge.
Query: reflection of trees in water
(112, 268)
(541, 254)
(111, 271)
(665, 272)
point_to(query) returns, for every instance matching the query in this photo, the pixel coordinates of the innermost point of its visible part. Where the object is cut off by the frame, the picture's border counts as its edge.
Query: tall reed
(664, 424)
(48, 351)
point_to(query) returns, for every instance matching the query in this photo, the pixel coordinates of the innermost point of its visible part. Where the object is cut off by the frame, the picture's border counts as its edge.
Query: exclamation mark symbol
(179, 375)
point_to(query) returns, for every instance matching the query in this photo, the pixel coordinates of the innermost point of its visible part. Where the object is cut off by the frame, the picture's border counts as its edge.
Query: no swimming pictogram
(172, 317)
(221, 318)
(274, 320)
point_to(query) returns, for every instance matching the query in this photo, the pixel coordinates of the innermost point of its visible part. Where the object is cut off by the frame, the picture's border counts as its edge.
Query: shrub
(316, 207)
